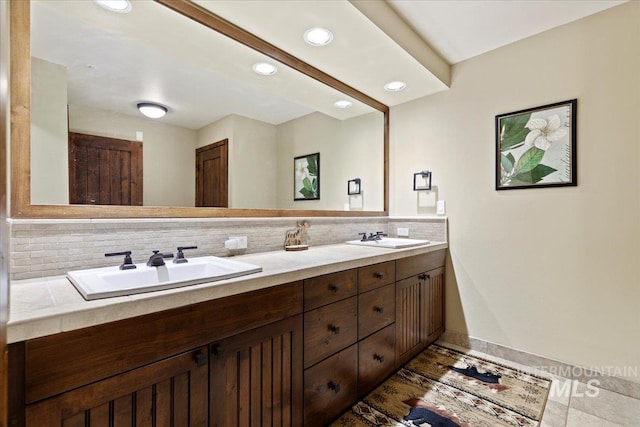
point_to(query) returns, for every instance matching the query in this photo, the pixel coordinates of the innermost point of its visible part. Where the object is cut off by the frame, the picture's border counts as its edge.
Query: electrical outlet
(242, 241)
(402, 232)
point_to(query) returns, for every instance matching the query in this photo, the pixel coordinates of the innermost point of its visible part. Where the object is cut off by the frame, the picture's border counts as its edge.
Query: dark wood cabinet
(256, 377)
(169, 392)
(376, 358)
(330, 387)
(409, 317)
(434, 299)
(289, 355)
(419, 304)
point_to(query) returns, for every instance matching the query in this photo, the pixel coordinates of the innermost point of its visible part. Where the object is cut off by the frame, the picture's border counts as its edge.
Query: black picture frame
(353, 187)
(536, 147)
(306, 177)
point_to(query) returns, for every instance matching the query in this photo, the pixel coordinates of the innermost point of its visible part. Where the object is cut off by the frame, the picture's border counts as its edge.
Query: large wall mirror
(79, 72)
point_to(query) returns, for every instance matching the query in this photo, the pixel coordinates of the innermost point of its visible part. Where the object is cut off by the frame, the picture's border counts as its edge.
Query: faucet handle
(128, 263)
(180, 259)
(364, 237)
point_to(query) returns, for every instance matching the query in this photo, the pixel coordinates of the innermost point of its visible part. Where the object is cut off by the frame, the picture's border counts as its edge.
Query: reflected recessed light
(118, 6)
(318, 36)
(264, 68)
(342, 104)
(395, 86)
(151, 110)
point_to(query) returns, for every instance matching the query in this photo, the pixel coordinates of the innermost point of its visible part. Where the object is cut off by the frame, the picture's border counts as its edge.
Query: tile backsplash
(41, 248)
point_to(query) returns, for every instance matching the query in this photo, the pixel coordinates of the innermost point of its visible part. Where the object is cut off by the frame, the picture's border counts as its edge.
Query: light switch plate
(440, 208)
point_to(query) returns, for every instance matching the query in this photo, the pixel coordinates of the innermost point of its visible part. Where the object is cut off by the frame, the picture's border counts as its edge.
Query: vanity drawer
(330, 387)
(411, 266)
(376, 309)
(377, 275)
(329, 329)
(322, 290)
(376, 356)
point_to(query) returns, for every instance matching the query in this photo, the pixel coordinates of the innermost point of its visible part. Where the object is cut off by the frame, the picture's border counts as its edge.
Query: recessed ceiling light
(264, 68)
(118, 6)
(318, 36)
(395, 86)
(151, 110)
(342, 104)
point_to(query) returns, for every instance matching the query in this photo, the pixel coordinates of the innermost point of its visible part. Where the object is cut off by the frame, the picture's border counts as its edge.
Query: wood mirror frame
(20, 96)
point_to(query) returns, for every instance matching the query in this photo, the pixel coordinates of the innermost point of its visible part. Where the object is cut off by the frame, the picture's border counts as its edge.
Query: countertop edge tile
(279, 267)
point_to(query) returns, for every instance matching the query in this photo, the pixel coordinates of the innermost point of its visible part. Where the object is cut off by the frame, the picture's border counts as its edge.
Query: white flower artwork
(536, 147)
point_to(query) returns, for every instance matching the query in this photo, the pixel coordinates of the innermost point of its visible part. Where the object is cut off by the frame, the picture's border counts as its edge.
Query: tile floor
(576, 404)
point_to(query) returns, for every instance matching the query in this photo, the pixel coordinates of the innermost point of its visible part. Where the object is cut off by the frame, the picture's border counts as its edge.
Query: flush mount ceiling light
(318, 36)
(342, 104)
(395, 86)
(151, 110)
(264, 68)
(118, 6)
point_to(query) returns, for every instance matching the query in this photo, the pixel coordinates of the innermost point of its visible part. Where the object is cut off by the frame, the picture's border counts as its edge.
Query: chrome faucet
(157, 259)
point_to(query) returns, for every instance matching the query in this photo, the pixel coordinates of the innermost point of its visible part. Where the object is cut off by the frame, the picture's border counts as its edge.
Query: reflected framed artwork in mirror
(306, 182)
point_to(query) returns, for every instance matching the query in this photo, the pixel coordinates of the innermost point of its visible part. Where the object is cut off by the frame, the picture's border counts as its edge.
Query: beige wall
(549, 271)
(168, 152)
(49, 158)
(348, 149)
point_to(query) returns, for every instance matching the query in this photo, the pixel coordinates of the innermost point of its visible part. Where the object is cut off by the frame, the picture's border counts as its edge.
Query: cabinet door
(170, 392)
(435, 304)
(256, 377)
(409, 319)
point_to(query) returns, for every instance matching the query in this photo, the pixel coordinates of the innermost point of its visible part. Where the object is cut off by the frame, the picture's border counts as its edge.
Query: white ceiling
(152, 54)
(462, 29)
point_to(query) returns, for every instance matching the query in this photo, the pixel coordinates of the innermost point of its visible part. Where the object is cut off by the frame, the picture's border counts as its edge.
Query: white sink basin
(96, 283)
(390, 242)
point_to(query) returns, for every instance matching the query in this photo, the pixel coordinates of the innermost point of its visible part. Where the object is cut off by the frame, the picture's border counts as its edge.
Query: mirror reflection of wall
(261, 151)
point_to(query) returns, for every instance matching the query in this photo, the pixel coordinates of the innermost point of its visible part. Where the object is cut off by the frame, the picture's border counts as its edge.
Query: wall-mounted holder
(353, 186)
(422, 181)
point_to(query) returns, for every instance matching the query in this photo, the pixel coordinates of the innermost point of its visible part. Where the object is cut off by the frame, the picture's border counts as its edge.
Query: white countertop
(45, 306)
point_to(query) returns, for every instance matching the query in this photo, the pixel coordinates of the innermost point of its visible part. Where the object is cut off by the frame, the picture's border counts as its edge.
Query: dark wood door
(172, 392)
(212, 166)
(434, 294)
(256, 377)
(104, 171)
(409, 319)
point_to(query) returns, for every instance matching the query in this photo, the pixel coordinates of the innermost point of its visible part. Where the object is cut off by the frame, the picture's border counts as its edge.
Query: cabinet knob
(334, 288)
(378, 309)
(334, 386)
(200, 358)
(335, 329)
(378, 357)
(217, 350)
(379, 275)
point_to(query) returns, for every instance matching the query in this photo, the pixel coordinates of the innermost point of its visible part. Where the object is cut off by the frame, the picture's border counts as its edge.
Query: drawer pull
(424, 277)
(200, 358)
(378, 309)
(334, 288)
(217, 350)
(379, 275)
(334, 386)
(335, 329)
(378, 357)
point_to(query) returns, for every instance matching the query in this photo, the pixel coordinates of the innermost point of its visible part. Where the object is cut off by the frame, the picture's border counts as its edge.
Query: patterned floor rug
(443, 387)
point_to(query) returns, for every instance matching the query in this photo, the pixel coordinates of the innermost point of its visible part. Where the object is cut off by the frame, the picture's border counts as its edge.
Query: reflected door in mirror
(212, 175)
(104, 171)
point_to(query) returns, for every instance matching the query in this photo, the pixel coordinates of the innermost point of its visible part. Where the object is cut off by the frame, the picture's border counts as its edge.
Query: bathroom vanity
(295, 344)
